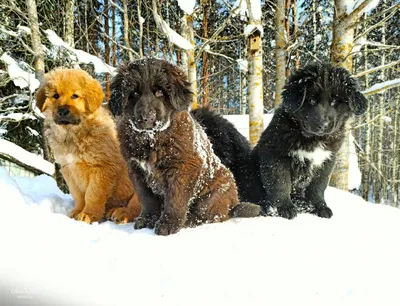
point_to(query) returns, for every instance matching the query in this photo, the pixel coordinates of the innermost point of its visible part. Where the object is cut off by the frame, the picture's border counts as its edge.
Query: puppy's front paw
(87, 218)
(121, 215)
(165, 228)
(323, 211)
(287, 211)
(145, 222)
(74, 213)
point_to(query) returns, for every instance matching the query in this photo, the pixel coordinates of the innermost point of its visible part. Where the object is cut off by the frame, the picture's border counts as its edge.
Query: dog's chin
(308, 133)
(159, 125)
(67, 121)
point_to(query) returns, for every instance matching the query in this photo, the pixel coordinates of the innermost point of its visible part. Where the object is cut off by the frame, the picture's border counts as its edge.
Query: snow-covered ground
(50, 259)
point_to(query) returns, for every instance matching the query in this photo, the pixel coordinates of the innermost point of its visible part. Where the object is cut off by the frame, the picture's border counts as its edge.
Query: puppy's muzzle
(64, 116)
(148, 120)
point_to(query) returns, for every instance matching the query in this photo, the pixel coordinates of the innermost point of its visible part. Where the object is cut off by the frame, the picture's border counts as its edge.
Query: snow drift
(49, 259)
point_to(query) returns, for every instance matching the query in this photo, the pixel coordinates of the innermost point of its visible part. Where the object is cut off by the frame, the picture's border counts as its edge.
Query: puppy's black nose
(323, 126)
(63, 111)
(149, 117)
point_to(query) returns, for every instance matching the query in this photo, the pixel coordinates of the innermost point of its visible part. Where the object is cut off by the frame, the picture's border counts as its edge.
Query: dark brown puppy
(178, 178)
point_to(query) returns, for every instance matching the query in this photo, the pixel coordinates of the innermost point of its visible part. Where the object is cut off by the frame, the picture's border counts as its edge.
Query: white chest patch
(146, 168)
(316, 157)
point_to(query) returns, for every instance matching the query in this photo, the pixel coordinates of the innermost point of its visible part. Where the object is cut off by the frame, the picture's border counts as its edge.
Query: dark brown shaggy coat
(178, 178)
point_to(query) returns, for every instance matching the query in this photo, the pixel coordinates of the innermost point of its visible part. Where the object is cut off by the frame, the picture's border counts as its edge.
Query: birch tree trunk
(342, 45)
(126, 29)
(107, 46)
(38, 61)
(255, 80)
(192, 71)
(395, 176)
(380, 184)
(69, 23)
(280, 53)
(367, 169)
(204, 72)
(139, 12)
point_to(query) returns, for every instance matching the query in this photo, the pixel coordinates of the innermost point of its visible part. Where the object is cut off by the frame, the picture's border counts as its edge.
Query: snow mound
(50, 259)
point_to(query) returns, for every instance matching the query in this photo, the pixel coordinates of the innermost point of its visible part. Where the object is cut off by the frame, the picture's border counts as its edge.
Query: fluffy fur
(231, 147)
(83, 138)
(289, 169)
(179, 180)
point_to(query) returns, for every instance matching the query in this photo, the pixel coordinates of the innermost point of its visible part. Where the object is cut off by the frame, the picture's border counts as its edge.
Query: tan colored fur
(88, 152)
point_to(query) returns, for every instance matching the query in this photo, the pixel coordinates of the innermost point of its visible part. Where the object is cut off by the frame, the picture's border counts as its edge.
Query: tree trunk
(394, 184)
(367, 169)
(342, 45)
(192, 71)
(280, 52)
(38, 61)
(255, 83)
(107, 47)
(139, 12)
(126, 30)
(69, 23)
(114, 37)
(204, 71)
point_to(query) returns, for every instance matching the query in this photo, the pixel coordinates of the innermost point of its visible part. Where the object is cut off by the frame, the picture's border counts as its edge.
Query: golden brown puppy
(83, 138)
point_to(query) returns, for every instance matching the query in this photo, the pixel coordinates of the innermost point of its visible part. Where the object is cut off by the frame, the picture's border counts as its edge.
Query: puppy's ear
(94, 95)
(116, 99)
(294, 94)
(41, 96)
(358, 103)
(180, 94)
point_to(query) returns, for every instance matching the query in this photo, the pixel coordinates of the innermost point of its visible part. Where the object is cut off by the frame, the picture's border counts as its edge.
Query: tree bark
(204, 71)
(342, 45)
(139, 12)
(38, 61)
(126, 30)
(69, 23)
(107, 47)
(280, 52)
(255, 82)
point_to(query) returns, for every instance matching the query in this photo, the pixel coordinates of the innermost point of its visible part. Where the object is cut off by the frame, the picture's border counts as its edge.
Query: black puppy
(289, 169)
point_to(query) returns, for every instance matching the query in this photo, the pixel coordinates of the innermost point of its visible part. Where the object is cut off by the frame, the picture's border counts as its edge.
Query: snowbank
(49, 259)
(28, 158)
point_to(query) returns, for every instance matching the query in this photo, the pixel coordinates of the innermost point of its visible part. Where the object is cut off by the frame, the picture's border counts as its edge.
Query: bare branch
(360, 74)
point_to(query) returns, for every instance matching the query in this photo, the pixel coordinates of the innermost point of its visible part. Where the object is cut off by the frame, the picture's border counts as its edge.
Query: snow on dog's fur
(179, 180)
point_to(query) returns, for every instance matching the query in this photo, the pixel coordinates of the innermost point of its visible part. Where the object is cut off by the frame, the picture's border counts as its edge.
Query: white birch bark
(69, 23)
(280, 53)
(255, 83)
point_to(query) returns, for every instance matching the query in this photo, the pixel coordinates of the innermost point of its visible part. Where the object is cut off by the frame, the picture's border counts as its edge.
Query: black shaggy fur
(229, 145)
(291, 165)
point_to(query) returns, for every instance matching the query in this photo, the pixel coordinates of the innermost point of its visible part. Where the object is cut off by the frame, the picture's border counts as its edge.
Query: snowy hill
(49, 259)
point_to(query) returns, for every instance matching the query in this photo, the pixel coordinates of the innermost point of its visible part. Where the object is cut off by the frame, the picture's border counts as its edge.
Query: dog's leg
(176, 201)
(150, 204)
(314, 192)
(276, 179)
(99, 189)
(126, 214)
(76, 192)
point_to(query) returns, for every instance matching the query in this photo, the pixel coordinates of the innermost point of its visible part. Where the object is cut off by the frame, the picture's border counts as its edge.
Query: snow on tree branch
(82, 56)
(20, 77)
(187, 6)
(172, 36)
(379, 87)
(361, 6)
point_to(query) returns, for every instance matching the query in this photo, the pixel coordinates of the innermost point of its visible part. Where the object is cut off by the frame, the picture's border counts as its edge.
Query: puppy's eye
(134, 95)
(56, 96)
(74, 96)
(159, 93)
